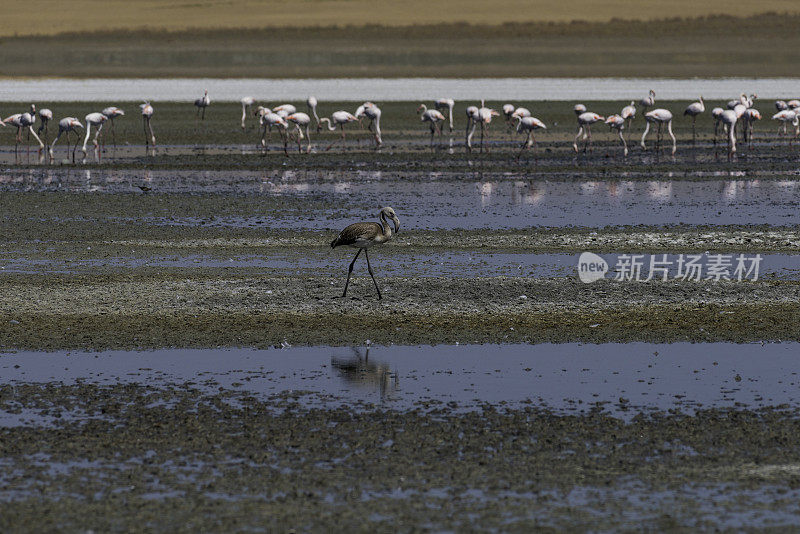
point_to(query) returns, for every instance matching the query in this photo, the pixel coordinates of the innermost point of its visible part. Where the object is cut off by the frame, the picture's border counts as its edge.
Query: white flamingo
(716, 114)
(271, 120)
(433, 117)
(585, 121)
(617, 122)
(339, 118)
(483, 117)
(628, 113)
(750, 117)
(528, 125)
(202, 104)
(729, 119)
(147, 115)
(785, 117)
(21, 121)
(649, 101)
(373, 113)
(471, 111)
(446, 104)
(45, 116)
(781, 105)
(97, 120)
(284, 110)
(112, 112)
(65, 126)
(301, 121)
(312, 108)
(521, 113)
(247, 103)
(694, 109)
(660, 117)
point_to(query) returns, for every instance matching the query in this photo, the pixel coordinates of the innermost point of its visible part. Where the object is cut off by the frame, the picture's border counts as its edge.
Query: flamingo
(781, 105)
(786, 116)
(628, 113)
(202, 104)
(312, 108)
(432, 116)
(446, 104)
(268, 120)
(147, 115)
(112, 112)
(363, 235)
(617, 122)
(65, 126)
(737, 101)
(483, 117)
(97, 120)
(301, 121)
(716, 113)
(471, 111)
(578, 109)
(649, 101)
(45, 116)
(660, 117)
(247, 103)
(528, 125)
(729, 119)
(508, 111)
(750, 117)
(793, 104)
(585, 121)
(284, 110)
(339, 118)
(521, 113)
(694, 109)
(24, 120)
(373, 113)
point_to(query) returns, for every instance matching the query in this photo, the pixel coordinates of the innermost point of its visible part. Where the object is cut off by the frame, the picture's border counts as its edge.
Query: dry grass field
(49, 17)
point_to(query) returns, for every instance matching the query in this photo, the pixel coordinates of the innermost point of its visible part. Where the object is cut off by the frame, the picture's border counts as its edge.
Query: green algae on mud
(182, 459)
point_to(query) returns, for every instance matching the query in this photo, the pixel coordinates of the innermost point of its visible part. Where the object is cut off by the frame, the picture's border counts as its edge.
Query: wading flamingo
(528, 125)
(364, 235)
(65, 126)
(750, 117)
(483, 117)
(284, 110)
(471, 111)
(785, 117)
(628, 113)
(446, 104)
(373, 113)
(21, 121)
(301, 122)
(694, 109)
(271, 120)
(781, 105)
(247, 103)
(433, 117)
(112, 112)
(729, 119)
(339, 118)
(660, 117)
(97, 120)
(45, 116)
(649, 101)
(585, 121)
(202, 104)
(147, 115)
(617, 122)
(312, 108)
(716, 114)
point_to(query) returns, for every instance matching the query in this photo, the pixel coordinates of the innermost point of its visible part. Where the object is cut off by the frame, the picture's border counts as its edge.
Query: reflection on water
(359, 371)
(453, 200)
(624, 378)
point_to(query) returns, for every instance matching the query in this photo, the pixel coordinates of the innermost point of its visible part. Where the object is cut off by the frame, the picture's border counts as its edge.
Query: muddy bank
(131, 311)
(183, 460)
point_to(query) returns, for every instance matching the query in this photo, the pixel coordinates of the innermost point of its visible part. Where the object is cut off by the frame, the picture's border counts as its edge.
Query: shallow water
(623, 378)
(449, 264)
(449, 200)
(393, 89)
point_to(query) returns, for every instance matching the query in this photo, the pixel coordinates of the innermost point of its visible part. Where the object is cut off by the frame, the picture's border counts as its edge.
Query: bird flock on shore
(737, 121)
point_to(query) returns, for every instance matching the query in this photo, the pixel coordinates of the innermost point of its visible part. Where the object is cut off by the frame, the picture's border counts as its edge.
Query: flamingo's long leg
(369, 268)
(350, 272)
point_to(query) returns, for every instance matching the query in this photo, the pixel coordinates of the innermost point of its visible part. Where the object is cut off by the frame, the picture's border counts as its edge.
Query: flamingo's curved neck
(330, 127)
